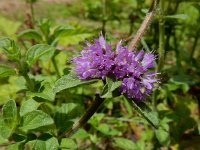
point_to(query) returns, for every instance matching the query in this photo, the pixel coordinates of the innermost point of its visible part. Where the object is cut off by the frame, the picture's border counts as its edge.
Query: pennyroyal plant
(97, 60)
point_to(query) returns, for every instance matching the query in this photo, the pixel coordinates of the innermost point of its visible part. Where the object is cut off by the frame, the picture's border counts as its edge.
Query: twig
(81, 122)
(147, 20)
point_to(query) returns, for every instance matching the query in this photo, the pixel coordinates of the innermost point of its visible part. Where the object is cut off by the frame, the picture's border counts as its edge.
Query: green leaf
(177, 16)
(10, 114)
(39, 52)
(68, 143)
(9, 47)
(148, 114)
(47, 93)
(36, 119)
(105, 129)
(15, 146)
(6, 71)
(110, 87)
(80, 134)
(46, 142)
(28, 106)
(124, 144)
(69, 81)
(163, 135)
(5, 132)
(60, 30)
(9, 27)
(74, 36)
(66, 114)
(31, 34)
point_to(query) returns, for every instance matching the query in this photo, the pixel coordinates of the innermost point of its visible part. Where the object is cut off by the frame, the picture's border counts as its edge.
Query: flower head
(96, 60)
(132, 68)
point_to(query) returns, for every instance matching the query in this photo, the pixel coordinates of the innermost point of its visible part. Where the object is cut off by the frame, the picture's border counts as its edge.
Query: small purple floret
(97, 60)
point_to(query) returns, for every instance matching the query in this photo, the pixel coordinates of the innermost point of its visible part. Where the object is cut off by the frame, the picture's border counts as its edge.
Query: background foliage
(39, 99)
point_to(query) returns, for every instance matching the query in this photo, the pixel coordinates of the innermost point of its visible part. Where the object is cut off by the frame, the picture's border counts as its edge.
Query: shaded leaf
(66, 114)
(148, 114)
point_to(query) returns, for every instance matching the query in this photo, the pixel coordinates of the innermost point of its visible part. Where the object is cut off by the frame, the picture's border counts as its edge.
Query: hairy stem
(23, 70)
(195, 44)
(55, 67)
(81, 122)
(147, 20)
(161, 50)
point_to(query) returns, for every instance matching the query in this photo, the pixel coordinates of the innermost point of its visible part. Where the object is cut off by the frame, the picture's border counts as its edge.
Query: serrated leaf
(68, 143)
(30, 34)
(6, 71)
(28, 106)
(124, 144)
(69, 81)
(36, 119)
(148, 114)
(10, 114)
(110, 87)
(39, 52)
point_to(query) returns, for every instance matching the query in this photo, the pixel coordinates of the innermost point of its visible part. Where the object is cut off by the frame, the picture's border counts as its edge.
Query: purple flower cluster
(97, 60)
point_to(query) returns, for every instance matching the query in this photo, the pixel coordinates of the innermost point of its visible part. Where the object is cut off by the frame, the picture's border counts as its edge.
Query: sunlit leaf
(69, 81)
(10, 114)
(39, 52)
(36, 119)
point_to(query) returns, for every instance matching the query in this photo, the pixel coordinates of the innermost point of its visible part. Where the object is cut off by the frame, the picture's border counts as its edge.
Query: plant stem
(81, 122)
(32, 12)
(55, 67)
(161, 36)
(23, 70)
(195, 44)
(104, 20)
(161, 50)
(147, 20)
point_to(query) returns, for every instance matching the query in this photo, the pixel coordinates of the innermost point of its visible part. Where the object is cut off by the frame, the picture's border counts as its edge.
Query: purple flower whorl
(97, 60)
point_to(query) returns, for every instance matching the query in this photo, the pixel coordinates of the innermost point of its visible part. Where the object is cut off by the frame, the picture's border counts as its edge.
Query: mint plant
(63, 93)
